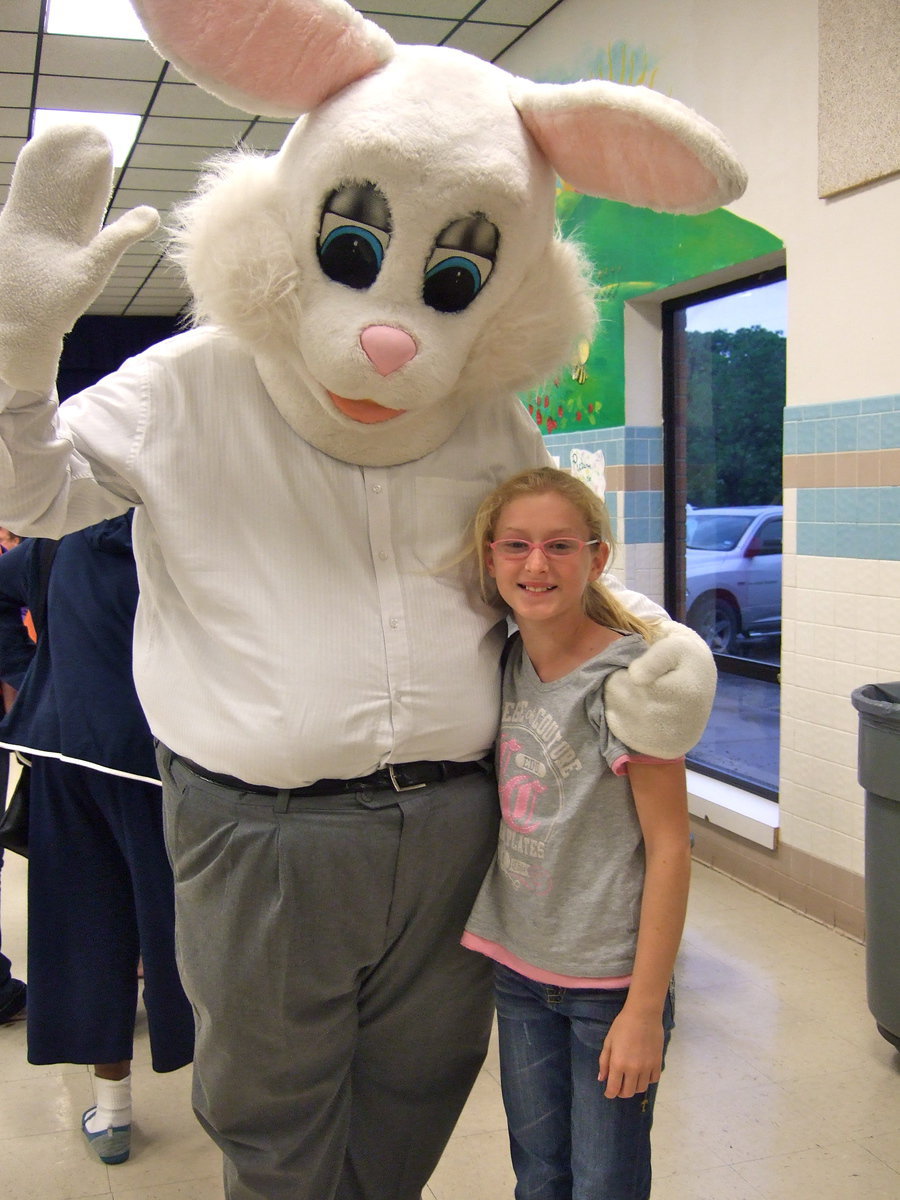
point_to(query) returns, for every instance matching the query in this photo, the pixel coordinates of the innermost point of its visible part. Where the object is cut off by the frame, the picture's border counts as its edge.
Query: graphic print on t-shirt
(533, 762)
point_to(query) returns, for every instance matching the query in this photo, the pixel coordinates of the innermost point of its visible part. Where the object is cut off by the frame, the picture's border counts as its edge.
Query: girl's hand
(631, 1058)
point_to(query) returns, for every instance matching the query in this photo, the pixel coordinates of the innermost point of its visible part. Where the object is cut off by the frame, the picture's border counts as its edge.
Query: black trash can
(878, 705)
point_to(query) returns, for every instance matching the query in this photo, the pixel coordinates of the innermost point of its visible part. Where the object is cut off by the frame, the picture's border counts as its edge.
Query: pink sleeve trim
(620, 766)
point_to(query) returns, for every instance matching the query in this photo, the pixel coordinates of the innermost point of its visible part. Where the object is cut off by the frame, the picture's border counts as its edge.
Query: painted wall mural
(634, 251)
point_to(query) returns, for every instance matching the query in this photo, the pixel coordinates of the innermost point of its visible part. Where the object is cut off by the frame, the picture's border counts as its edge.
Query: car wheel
(717, 621)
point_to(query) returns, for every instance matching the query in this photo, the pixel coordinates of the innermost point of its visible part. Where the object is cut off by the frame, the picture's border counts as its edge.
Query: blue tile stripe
(872, 424)
(860, 522)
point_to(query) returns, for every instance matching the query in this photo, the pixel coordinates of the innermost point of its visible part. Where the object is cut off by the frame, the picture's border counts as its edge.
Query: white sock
(113, 1104)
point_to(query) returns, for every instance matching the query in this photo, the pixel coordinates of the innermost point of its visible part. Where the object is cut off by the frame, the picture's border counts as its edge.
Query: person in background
(13, 992)
(100, 890)
(583, 908)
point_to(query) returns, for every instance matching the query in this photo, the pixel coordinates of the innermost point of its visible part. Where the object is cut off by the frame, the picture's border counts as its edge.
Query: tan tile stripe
(635, 477)
(849, 468)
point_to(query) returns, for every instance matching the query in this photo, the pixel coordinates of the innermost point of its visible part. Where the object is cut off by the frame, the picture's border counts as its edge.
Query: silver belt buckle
(398, 787)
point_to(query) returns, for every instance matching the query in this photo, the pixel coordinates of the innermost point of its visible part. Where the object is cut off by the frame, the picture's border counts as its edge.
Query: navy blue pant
(100, 895)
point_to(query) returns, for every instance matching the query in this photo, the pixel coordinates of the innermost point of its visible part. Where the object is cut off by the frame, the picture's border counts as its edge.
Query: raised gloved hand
(55, 258)
(659, 705)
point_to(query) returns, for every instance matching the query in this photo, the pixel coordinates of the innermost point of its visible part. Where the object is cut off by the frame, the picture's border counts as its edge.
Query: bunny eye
(354, 235)
(460, 264)
(453, 280)
(349, 253)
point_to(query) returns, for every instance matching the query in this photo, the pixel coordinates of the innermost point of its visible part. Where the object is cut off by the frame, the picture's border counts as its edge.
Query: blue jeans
(567, 1140)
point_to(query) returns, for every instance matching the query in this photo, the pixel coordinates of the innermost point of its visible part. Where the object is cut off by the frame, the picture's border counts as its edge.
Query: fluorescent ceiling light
(120, 128)
(94, 18)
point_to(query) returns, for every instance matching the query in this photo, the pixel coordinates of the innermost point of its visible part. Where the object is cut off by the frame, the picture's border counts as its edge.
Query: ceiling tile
(186, 132)
(514, 12)
(453, 10)
(154, 308)
(107, 58)
(116, 291)
(129, 274)
(154, 180)
(93, 95)
(267, 135)
(17, 52)
(13, 122)
(16, 90)
(416, 31)
(186, 100)
(175, 158)
(487, 41)
(10, 148)
(20, 14)
(132, 197)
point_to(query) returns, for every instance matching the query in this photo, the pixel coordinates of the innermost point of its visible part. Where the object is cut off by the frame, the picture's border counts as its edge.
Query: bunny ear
(630, 144)
(278, 59)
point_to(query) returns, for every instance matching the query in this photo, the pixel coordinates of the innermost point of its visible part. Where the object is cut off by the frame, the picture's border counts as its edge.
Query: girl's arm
(631, 1058)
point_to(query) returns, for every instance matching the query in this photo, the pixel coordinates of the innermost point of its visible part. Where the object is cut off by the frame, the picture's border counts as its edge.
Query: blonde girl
(583, 908)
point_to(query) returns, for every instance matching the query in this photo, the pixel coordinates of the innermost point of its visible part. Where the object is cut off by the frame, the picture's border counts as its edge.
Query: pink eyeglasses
(558, 547)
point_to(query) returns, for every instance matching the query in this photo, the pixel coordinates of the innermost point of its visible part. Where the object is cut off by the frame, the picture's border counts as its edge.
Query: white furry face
(410, 261)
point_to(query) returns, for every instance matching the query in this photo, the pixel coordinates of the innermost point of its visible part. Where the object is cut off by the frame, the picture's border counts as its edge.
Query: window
(724, 358)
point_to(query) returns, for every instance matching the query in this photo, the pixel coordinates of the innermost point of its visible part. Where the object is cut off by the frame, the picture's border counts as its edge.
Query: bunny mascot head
(396, 261)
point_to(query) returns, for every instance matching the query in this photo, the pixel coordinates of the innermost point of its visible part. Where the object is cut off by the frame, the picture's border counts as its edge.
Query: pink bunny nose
(387, 347)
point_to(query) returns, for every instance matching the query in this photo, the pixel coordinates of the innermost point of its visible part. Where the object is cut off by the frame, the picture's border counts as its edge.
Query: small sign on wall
(859, 93)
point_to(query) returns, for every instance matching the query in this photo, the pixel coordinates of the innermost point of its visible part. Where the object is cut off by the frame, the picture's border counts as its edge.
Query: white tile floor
(777, 1085)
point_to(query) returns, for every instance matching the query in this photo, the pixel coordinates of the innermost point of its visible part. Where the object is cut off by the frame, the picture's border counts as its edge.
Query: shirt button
(395, 621)
(376, 487)
(383, 555)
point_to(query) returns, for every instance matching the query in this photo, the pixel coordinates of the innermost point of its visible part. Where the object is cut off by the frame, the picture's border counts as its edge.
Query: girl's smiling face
(541, 587)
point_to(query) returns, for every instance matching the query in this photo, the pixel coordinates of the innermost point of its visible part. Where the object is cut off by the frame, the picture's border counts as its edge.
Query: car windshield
(714, 531)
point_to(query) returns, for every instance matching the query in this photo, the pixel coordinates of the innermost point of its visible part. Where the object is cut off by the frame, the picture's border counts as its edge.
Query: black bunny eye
(351, 254)
(354, 235)
(453, 280)
(460, 264)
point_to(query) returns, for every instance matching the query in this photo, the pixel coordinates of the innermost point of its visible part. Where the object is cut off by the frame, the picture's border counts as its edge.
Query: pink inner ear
(285, 56)
(622, 155)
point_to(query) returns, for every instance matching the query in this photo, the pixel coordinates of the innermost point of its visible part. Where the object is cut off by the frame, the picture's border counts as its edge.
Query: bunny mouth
(365, 412)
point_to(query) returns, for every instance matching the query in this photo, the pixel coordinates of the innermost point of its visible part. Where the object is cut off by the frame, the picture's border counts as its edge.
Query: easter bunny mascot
(303, 463)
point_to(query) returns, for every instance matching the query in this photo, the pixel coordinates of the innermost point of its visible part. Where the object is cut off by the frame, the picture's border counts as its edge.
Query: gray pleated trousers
(340, 1025)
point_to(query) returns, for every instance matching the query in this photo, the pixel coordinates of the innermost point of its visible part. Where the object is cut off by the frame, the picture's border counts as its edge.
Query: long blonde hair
(599, 603)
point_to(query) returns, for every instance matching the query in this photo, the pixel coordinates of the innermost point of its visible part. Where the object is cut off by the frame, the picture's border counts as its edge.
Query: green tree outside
(735, 409)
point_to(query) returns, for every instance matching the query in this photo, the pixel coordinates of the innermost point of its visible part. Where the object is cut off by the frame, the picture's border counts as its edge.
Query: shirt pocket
(443, 528)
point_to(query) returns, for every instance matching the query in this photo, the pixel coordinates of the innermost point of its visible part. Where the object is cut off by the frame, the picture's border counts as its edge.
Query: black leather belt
(401, 777)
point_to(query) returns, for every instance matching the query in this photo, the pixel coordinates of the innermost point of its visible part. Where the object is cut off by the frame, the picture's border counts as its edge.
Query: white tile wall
(841, 629)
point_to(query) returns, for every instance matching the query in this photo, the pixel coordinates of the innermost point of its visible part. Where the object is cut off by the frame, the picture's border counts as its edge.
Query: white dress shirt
(298, 617)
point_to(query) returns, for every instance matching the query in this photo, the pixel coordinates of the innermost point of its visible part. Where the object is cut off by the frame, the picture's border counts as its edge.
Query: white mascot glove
(659, 705)
(54, 257)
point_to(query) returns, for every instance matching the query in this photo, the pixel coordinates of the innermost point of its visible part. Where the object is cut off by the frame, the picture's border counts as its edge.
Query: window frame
(674, 418)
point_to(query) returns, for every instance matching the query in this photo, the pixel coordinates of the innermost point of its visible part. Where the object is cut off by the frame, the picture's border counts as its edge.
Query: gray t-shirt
(564, 891)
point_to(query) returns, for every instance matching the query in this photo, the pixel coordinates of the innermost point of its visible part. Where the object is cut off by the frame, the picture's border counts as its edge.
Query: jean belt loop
(282, 801)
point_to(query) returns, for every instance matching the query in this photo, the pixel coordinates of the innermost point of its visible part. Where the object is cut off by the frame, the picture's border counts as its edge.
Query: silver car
(733, 567)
